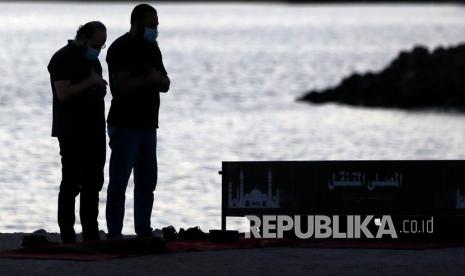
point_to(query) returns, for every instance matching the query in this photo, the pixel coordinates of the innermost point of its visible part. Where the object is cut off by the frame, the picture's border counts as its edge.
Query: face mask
(150, 34)
(92, 53)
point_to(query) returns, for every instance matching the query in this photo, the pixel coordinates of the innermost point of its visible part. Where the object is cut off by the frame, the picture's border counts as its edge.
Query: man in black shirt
(137, 75)
(79, 124)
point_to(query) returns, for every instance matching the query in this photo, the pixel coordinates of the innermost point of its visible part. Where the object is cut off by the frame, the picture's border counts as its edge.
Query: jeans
(83, 160)
(131, 149)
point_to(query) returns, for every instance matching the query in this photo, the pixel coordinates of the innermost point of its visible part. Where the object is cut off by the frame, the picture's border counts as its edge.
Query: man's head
(92, 36)
(144, 21)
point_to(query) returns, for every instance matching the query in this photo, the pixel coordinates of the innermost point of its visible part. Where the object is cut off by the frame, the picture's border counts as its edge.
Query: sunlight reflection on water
(236, 70)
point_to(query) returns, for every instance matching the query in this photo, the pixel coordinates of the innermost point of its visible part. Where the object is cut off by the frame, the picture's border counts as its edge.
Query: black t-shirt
(82, 114)
(135, 109)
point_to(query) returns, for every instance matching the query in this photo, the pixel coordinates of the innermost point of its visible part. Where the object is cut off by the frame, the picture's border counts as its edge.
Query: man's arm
(65, 90)
(126, 84)
(164, 85)
(165, 82)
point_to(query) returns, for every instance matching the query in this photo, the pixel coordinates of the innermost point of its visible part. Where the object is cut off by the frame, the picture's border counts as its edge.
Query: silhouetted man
(137, 75)
(79, 124)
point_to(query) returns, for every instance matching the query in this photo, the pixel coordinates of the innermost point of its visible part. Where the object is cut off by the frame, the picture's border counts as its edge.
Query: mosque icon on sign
(460, 199)
(256, 198)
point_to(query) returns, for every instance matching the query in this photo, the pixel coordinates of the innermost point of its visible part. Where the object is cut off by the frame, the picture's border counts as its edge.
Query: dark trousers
(131, 150)
(83, 161)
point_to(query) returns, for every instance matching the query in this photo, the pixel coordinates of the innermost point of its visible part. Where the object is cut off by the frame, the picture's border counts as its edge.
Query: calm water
(236, 70)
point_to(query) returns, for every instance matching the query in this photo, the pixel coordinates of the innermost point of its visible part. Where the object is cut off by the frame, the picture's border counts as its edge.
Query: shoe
(94, 236)
(115, 237)
(68, 238)
(169, 233)
(35, 240)
(145, 236)
(157, 233)
(193, 233)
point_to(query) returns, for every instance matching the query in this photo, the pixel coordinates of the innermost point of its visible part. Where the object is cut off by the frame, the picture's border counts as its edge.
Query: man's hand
(165, 84)
(66, 90)
(155, 77)
(161, 81)
(96, 81)
(125, 84)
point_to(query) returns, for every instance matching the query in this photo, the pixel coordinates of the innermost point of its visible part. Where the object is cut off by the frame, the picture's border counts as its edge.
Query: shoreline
(272, 260)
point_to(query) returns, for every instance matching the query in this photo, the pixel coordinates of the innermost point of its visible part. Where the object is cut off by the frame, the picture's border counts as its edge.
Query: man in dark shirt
(137, 75)
(79, 124)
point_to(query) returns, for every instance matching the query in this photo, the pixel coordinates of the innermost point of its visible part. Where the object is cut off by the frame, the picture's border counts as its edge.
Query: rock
(416, 79)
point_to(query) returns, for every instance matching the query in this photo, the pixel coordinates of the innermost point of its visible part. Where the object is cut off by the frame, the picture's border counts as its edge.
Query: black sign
(398, 188)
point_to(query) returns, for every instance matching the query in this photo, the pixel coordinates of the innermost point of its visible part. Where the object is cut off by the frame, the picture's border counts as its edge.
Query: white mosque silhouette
(254, 199)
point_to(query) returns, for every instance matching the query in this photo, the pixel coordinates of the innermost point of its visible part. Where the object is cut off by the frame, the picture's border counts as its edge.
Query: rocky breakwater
(415, 79)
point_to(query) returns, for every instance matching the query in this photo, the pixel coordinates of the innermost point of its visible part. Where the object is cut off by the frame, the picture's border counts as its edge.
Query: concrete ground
(263, 261)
